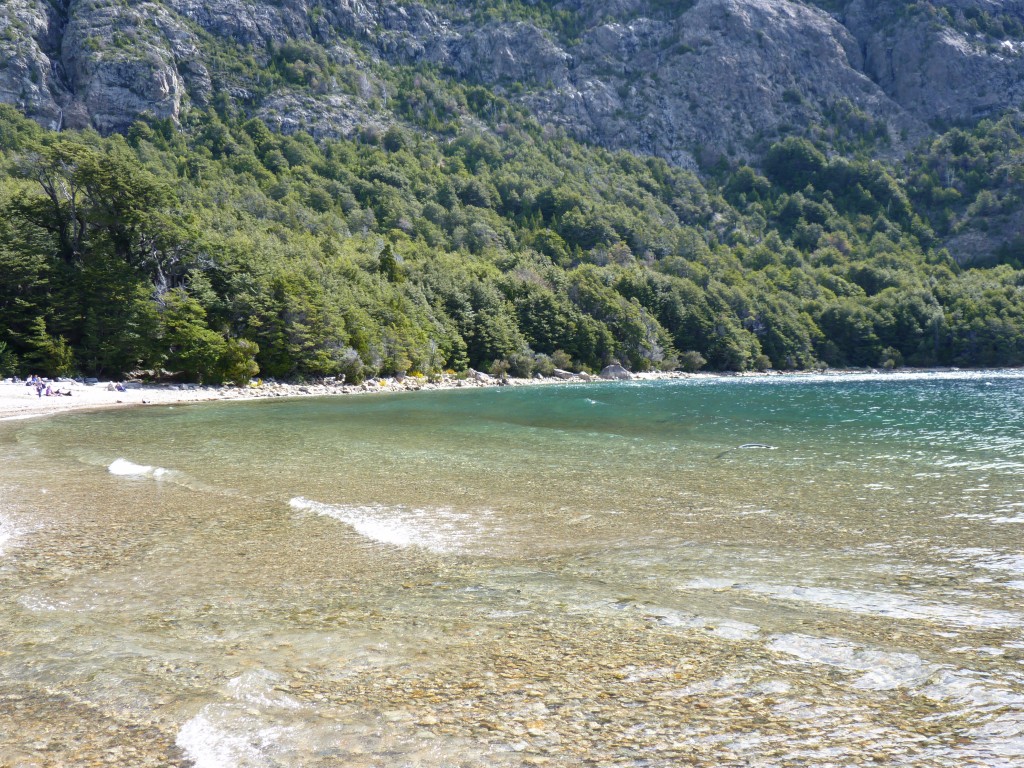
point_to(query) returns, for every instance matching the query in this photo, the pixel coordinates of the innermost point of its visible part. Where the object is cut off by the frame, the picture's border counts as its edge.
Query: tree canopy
(220, 250)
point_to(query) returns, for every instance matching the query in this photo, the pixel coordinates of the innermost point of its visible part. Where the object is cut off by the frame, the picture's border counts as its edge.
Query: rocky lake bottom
(515, 577)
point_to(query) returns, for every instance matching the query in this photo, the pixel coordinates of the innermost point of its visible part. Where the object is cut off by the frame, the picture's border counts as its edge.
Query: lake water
(563, 576)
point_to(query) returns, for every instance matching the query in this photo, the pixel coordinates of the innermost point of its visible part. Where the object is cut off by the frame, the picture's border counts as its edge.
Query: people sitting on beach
(51, 391)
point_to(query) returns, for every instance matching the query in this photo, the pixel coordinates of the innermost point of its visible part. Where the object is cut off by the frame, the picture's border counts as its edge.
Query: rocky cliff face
(98, 64)
(30, 76)
(938, 65)
(685, 80)
(725, 77)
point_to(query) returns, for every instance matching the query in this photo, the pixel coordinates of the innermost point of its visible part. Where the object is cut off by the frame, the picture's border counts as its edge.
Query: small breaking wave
(438, 530)
(7, 534)
(254, 724)
(885, 604)
(125, 468)
(998, 739)
(987, 559)
(1001, 562)
(725, 629)
(209, 745)
(262, 688)
(122, 467)
(243, 733)
(879, 670)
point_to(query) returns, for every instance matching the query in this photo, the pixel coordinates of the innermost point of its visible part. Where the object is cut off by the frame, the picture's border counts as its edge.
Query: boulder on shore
(558, 373)
(615, 372)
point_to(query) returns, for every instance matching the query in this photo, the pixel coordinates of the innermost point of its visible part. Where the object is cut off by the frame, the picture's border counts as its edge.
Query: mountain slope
(684, 80)
(311, 189)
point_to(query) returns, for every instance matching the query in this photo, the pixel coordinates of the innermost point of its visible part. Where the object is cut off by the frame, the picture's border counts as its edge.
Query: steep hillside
(686, 81)
(306, 189)
(226, 250)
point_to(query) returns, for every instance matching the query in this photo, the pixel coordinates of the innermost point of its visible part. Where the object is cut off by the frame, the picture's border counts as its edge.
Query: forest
(218, 251)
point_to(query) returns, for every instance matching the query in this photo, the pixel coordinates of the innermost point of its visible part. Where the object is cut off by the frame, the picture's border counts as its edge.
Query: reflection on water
(540, 576)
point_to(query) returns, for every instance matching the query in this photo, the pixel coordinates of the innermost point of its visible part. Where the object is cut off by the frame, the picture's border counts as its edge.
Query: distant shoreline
(19, 401)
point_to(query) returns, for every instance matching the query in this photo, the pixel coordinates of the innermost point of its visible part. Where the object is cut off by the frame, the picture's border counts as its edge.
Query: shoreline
(19, 401)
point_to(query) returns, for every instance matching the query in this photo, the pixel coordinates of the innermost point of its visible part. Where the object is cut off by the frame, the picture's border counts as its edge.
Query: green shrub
(237, 363)
(692, 361)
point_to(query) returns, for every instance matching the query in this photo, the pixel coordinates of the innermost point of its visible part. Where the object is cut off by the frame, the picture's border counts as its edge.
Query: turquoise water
(523, 576)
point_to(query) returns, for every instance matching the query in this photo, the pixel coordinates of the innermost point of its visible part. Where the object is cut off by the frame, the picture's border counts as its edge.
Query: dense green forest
(219, 250)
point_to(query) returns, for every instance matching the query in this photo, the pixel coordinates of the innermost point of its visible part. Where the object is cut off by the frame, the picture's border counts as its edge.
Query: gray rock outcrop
(615, 373)
(687, 81)
(30, 72)
(933, 70)
(723, 78)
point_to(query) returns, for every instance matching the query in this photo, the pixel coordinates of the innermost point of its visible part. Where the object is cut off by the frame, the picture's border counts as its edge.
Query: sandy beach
(20, 401)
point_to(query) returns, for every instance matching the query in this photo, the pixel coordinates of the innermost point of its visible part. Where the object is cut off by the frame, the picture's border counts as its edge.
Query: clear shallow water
(504, 577)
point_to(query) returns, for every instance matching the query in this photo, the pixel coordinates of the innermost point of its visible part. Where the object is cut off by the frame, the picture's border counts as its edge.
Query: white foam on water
(727, 629)
(254, 724)
(122, 467)
(772, 687)
(997, 740)
(894, 606)
(734, 630)
(13, 534)
(125, 468)
(208, 744)
(880, 670)
(1010, 513)
(706, 583)
(887, 604)
(1008, 563)
(8, 533)
(987, 559)
(1003, 736)
(256, 727)
(983, 651)
(261, 688)
(704, 687)
(967, 687)
(438, 529)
